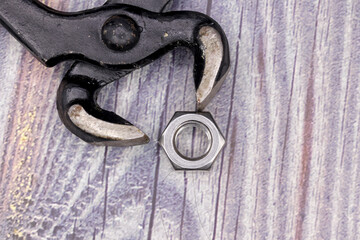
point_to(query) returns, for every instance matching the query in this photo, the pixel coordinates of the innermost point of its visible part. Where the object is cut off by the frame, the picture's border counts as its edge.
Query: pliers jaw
(214, 55)
(95, 40)
(80, 113)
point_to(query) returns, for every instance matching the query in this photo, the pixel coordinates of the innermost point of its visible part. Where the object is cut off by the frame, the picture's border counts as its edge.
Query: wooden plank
(289, 110)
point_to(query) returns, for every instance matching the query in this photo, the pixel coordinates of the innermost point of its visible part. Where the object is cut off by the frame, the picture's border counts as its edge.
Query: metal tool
(109, 42)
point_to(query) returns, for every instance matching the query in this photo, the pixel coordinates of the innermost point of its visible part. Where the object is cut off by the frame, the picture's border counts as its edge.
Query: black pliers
(108, 43)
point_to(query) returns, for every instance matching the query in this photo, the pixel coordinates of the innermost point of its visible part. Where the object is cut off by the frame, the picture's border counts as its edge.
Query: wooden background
(290, 111)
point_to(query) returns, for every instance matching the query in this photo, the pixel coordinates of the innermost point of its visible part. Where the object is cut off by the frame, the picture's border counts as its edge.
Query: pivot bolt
(120, 33)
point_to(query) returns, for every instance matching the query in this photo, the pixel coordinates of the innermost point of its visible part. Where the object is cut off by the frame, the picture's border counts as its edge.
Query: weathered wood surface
(290, 111)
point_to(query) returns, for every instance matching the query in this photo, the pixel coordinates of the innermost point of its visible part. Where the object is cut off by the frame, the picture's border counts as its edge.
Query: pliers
(109, 42)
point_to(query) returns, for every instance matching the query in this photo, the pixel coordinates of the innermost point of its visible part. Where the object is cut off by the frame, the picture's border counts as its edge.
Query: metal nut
(203, 120)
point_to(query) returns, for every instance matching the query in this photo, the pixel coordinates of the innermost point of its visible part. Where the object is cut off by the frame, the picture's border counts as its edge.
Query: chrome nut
(203, 120)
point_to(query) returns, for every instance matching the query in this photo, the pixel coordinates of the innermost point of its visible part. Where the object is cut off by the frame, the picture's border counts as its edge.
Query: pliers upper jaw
(215, 59)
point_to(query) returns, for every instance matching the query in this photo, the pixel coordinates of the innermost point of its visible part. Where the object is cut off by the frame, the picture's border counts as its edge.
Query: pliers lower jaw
(108, 43)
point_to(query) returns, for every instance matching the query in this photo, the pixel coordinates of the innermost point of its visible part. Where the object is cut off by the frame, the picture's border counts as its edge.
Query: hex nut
(203, 120)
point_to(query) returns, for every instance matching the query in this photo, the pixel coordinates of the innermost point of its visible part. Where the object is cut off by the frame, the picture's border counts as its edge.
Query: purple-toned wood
(289, 109)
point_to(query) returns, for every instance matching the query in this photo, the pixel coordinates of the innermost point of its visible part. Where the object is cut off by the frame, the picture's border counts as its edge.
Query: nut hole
(192, 141)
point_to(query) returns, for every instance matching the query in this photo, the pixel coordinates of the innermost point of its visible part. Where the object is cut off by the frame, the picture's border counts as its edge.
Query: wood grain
(290, 111)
